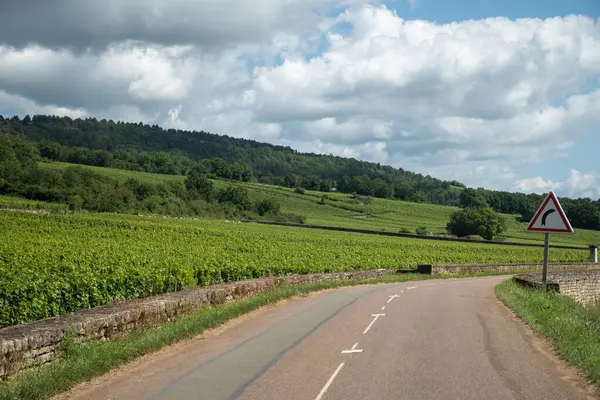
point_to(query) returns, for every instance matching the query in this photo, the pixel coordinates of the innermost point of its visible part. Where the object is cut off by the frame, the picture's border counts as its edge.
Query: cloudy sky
(499, 94)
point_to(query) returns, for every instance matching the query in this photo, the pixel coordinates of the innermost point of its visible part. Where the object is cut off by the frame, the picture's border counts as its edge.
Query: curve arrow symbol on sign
(557, 224)
(546, 216)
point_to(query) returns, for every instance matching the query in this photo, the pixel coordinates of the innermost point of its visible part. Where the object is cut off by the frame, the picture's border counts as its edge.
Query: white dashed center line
(372, 322)
(392, 298)
(352, 350)
(329, 382)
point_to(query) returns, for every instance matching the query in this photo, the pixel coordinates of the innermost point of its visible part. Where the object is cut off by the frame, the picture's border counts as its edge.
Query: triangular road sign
(550, 217)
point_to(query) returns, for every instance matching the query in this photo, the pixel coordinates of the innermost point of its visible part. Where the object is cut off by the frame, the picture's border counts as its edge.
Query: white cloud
(23, 106)
(536, 185)
(576, 184)
(124, 73)
(151, 73)
(583, 185)
(477, 101)
(484, 89)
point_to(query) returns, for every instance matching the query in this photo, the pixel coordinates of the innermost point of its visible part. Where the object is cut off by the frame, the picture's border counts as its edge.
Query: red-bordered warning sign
(550, 217)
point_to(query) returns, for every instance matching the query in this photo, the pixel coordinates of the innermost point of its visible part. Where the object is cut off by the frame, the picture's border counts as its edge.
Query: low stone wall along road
(443, 339)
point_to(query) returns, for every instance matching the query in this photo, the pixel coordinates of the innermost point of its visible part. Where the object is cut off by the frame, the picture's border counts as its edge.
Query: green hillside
(343, 210)
(151, 149)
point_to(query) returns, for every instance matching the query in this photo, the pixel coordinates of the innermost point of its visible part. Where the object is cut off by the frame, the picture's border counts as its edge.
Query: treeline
(582, 213)
(148, 148)
(140, 147)
(83, 189)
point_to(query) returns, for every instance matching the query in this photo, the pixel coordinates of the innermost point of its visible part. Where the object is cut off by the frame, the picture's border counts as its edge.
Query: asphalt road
(446, 339)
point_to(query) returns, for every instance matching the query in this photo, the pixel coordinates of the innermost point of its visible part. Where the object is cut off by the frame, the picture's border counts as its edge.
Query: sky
(497, 94)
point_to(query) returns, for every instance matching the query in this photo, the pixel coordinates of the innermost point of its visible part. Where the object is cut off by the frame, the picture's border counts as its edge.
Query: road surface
(445, 339)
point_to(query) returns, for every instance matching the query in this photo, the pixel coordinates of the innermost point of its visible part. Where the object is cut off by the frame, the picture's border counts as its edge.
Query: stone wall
(35, 343)
(581, 286)
(454, 269)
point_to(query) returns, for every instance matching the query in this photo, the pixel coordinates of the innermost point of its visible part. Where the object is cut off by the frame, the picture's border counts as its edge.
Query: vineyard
(338, 209)
(53, 264)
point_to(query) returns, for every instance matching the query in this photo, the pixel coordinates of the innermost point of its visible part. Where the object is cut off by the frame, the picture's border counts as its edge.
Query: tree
(382, 189)
(325, 186)
(527, 210)
(268, 206)
(363, 185)
(312, 183)
(163, 163)
(471, 198)
(50, 150)
(291, 181)
(75, 203)
(417, 197)
(220, 168)
(153, 204)
(142, 190)
(240, 172)
(457, 184)
(489, 223)
(198, 184)
(238, 196)
(582, 213)
(469, 221)
(402, 190)
(101, 158)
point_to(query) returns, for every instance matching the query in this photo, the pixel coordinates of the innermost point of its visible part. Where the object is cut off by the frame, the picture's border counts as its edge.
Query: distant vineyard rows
(54, 264)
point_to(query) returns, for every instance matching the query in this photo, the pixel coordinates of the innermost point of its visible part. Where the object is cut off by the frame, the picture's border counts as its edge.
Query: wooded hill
(140, 147)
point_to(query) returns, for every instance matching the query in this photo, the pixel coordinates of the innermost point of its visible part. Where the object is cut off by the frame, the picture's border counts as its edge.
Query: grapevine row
(54, 264)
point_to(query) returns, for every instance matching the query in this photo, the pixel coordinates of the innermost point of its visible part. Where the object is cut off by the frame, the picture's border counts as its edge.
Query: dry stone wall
(454, 269)
(36, 343)
(581, 286)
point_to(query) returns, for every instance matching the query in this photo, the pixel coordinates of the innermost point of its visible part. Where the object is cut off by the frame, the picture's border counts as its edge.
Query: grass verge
(81, 362)
(573, 329)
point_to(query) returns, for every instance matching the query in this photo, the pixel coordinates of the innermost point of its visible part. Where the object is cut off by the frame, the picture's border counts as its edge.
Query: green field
(344, 211)
(7, 202)
(56, 263)
(120, 174)
(51, 264)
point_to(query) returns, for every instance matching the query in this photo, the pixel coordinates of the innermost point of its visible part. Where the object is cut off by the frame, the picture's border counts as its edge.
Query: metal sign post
(545, 268)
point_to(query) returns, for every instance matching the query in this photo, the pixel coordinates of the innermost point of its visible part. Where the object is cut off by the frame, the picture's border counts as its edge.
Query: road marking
(329, 382)
(352, 350)
(392, 298)
(372, 322)
(412, 287)
(382, 308)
